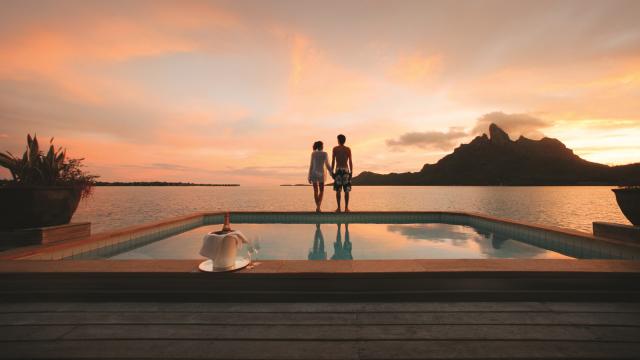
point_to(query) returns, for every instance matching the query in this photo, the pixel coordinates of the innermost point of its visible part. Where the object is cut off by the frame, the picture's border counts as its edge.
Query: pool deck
(407, 309)
(344, 280)
(363, 309)
(358, 309)
(363, 330)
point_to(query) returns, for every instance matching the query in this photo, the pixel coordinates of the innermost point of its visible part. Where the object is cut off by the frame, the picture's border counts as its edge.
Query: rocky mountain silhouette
(497, 160)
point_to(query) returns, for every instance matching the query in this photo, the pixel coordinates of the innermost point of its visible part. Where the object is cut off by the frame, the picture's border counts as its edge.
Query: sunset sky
(238, 91)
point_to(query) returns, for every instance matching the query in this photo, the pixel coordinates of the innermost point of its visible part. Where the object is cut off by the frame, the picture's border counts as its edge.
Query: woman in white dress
(317, 173)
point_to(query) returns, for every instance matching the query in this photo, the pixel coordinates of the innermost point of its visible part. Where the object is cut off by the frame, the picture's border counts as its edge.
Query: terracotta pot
(629, 202)
(28, 207)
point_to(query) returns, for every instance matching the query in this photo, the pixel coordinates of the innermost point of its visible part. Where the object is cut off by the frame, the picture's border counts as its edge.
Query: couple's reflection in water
(341, 249)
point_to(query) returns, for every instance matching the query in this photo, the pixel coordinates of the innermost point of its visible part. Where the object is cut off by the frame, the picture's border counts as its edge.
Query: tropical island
(495, 159)
(156, 183)
(140, 183)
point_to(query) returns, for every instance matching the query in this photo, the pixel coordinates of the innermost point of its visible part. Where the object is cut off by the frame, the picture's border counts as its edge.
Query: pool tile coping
(327, 267)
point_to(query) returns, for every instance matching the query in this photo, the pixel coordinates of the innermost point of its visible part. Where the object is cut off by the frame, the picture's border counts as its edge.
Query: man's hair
(318, 145)
(341, 139)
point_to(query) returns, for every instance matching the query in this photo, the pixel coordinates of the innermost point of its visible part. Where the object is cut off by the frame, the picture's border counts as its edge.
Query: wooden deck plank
(298, 307)
(179, 349)
(33, 332)
(354, 332)
(528, 318)
(497, 350)
(320, 330)
(593, 307)
(175, 318)
(194, 349)
(380, 318)
(319, 307)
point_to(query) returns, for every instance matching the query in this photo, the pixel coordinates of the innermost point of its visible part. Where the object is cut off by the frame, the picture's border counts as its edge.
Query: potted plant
(628, 198)
(45, 188)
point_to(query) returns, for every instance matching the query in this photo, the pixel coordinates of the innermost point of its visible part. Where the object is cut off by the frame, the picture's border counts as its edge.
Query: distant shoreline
(496, 185)
(156, 183)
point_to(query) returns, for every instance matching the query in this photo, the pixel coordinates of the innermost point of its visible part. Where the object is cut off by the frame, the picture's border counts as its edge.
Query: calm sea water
(574, 207)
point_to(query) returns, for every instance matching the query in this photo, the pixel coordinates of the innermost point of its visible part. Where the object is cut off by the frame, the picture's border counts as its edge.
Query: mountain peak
(495, 159)
(497, 135)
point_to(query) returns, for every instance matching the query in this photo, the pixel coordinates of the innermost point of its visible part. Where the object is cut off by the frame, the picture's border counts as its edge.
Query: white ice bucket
(222, 248)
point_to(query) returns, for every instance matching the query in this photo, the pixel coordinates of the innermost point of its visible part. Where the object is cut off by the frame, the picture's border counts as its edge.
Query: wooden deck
(425, 330)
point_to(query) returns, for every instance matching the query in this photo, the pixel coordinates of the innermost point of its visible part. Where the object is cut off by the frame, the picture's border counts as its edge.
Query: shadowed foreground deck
(409, 309)
(504, 330)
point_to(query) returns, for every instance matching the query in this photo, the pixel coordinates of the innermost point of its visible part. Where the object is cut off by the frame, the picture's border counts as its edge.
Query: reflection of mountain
(497, 240)
(342, 251)
(497, 245)
(498, 160)
(318, 252)
(491, 244)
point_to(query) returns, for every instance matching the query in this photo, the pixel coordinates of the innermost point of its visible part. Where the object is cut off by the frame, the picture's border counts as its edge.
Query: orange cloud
(416, 69)
(42, 50)
(69, 53)
(193, 15)
(603, 88)
(235, 91)
(60, 58)
(319, 87)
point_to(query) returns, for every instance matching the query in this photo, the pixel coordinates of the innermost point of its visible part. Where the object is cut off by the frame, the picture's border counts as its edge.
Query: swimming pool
(357, 236)
(353, 242)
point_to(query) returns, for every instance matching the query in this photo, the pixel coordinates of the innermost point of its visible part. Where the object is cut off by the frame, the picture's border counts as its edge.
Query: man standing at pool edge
(342, 166)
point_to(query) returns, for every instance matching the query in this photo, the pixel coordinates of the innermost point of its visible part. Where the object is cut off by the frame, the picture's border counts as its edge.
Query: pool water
(359, 241)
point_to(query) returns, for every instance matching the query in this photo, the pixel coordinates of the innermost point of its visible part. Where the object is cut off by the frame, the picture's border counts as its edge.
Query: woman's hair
(318, 145)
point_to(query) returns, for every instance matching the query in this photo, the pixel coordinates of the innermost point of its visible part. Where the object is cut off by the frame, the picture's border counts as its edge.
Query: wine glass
(253, 247)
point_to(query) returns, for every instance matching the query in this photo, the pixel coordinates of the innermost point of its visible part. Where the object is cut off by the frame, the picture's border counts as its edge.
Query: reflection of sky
(434, 232)
(363, 241)
(493, 245)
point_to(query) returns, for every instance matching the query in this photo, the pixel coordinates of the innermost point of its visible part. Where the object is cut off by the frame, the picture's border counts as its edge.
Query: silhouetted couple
(340, 169)
(341, 250)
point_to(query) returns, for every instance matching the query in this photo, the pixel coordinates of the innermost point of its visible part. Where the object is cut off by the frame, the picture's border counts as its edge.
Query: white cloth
(222, 248)
(318, 165)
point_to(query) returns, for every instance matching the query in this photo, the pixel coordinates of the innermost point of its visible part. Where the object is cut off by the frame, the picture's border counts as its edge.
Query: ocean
(573, 207)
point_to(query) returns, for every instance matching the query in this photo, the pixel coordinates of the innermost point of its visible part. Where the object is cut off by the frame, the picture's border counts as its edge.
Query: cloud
(173, 167)
(75, 52)
(605, 88)
(318, 86)
(416, 69)
(165, 166)
(227, 89)
(514, 124)
(429, 139)
(457, 234)
(268, 171)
